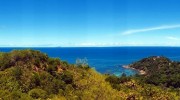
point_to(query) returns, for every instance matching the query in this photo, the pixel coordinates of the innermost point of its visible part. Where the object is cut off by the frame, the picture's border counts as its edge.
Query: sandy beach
(141, 72)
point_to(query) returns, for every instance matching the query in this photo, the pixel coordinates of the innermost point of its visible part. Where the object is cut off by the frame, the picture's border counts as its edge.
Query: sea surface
(106, 59)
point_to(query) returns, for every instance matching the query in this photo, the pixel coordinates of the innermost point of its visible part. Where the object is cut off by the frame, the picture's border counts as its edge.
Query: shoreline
(141, 72)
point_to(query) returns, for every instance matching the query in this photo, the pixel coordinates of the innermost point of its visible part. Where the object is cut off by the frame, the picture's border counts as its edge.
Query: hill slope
(29, 74)
(160, 70)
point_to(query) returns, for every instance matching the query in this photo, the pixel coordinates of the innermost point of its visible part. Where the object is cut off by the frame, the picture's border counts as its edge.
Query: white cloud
(89, 44)
(128, 32)
(172, 38)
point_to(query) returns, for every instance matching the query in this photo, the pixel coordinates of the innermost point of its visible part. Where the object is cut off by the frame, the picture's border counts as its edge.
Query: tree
(83, 63)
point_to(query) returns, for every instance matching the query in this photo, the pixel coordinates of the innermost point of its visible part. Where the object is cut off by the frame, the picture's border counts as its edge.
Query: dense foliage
(160, 71)
(29, 74)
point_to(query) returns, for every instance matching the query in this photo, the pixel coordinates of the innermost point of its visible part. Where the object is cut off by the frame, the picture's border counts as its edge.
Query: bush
(67, 77)
(38, 93)
(17, 72)
(17, 95)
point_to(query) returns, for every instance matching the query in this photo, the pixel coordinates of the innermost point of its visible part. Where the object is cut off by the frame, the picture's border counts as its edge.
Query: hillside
(160, 71)
(29, 75)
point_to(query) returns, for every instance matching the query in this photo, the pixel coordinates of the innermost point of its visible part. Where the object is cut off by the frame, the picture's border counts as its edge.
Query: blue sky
(74, 23)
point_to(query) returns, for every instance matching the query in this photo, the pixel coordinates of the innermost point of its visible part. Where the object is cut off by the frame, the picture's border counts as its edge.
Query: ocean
(106, 59)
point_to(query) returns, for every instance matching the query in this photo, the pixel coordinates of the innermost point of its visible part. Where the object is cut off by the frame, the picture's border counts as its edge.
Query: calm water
(109, 59)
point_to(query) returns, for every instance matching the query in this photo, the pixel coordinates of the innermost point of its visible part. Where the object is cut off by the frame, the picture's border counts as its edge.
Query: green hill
(29, 75)
(160, 71)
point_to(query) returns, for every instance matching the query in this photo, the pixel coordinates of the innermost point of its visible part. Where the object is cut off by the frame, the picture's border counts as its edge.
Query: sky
(89, 23)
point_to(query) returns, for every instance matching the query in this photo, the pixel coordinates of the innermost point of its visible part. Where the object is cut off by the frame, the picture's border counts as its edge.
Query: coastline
(141, 72)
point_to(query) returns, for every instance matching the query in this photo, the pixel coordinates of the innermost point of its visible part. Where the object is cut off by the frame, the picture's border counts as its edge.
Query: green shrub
(67, 77)
(17, 72)
(17, 95)
(38, 93)
(35, 79)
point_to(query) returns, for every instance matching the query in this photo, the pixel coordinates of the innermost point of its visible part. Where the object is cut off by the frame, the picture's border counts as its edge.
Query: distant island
(30, 74)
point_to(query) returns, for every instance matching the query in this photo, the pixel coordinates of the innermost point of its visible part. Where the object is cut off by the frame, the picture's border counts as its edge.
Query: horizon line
(76, 46)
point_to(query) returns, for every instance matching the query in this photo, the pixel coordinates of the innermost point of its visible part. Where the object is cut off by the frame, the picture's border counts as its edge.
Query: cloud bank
(129, 32)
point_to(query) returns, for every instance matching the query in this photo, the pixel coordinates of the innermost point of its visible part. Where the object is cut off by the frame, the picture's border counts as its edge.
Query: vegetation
(29, 74)
(160, 71)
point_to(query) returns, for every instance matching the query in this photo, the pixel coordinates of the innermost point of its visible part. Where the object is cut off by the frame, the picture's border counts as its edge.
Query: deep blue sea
(108, 59)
